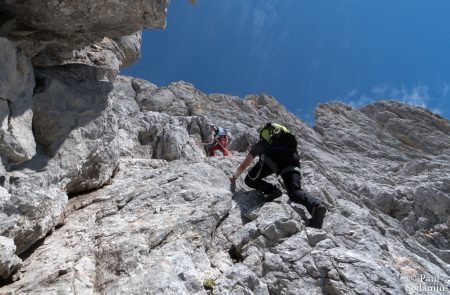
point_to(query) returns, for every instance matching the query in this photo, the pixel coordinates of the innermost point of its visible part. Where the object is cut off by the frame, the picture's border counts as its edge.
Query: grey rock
(161, 100)
(369, 279)
(9, 262)
(240, 280)
(29, 213)
(413, 127)
(167, 245)
(274, 262)
(52, 30)
(16, 88)
(83, 117)
(315, 235)
(108, 56)
(16, 75)
(185, 223)
(150, 213)
(83, 103)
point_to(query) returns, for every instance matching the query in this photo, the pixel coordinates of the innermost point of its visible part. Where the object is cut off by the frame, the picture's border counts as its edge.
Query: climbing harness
(274, 167)
(261, 164)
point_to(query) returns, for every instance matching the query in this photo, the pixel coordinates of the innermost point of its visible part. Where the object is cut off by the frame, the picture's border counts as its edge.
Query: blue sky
(306, 52)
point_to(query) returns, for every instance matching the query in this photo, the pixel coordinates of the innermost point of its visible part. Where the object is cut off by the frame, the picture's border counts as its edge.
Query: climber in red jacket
(220, 141)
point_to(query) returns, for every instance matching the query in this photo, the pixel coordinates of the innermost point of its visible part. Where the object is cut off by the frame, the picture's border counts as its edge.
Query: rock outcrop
(16, 90)
(66, 32)
(81, 40)
(105, 188)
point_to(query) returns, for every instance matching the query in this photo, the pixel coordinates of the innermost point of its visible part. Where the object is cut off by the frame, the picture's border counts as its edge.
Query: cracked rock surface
(163, 219)
(105, 187)
(166, 221)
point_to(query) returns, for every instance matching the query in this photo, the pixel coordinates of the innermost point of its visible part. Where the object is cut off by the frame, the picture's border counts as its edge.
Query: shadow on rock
(248, 203)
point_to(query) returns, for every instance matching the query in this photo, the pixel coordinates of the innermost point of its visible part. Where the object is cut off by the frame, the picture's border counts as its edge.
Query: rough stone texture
(16, 73)
(409, 172)
(16, 88)
(9, 263)
(166, 211)
(89, 130)
(150, 239)
(82, 138)
(28, 212)
(51, 30)
(106, 56)
(150, 213)
(87, 16)
(77, 133)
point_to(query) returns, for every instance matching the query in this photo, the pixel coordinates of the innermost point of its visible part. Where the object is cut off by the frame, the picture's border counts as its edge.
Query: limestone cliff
(105, 188)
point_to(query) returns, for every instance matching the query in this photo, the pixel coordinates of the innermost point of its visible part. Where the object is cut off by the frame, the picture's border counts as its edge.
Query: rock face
(51, 30)
(105, 188)
(9, 262)
(168, 223)
(16, 89)
(46, 50)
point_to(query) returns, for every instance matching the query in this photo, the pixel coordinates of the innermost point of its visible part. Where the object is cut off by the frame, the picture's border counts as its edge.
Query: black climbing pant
(291, 179)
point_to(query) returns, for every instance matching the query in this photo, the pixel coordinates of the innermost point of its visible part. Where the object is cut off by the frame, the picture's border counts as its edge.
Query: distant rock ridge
(105, 187)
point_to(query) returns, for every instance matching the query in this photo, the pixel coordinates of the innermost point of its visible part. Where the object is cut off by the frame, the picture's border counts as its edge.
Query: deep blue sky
(306, 52)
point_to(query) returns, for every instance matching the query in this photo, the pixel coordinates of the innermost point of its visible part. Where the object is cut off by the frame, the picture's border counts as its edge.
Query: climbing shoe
(317, 216)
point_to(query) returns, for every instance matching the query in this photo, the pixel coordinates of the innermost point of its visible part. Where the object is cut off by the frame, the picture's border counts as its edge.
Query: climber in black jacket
(277, 149)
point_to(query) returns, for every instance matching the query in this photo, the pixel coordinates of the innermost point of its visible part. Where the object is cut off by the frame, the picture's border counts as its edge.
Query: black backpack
(280, 155)
(278, 137)
(284, 140)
